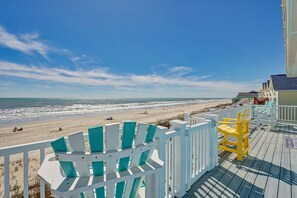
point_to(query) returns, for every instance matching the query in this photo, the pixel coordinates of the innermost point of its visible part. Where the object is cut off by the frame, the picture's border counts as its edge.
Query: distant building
(281, 89)
(251, 94)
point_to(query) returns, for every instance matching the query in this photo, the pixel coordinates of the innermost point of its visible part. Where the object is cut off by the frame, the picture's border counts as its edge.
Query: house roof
(282, 82)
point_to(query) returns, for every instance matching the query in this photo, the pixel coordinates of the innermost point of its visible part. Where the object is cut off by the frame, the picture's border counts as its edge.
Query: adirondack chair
(266, 113)
(114, 165)
(238, 129)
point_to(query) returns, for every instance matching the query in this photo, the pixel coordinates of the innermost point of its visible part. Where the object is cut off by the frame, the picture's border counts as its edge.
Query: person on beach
(14, 129)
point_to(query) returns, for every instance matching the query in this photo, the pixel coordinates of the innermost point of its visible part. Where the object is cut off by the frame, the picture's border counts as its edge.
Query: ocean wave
(12, 115)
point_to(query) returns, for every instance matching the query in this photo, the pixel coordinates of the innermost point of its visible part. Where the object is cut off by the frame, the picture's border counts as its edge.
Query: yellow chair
(237, 128)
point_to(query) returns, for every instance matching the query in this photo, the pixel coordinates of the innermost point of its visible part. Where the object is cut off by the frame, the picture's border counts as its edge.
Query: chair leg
(246, 140)
(240, 149)
(224, 143)
(246, 145)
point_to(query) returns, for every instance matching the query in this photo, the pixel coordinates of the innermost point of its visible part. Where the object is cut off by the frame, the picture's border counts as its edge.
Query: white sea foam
(12, 115)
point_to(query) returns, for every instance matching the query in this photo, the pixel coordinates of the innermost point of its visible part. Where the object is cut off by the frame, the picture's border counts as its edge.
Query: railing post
(180, 171)
(273, 117)
(251, 112)
(187, 117)
(258, 117)
(213, 123)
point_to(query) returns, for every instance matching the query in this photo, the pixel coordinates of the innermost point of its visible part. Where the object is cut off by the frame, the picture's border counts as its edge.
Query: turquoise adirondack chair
(114, 165)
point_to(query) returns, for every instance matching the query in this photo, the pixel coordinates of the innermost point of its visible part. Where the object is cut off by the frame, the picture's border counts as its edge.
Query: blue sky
(116, 49)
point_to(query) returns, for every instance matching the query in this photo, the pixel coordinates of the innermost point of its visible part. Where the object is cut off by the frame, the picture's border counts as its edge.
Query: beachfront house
(251, 94)
(281, 89)
(246, 96)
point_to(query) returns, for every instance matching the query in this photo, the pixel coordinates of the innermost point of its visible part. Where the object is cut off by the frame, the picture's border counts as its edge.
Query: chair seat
(50, 172)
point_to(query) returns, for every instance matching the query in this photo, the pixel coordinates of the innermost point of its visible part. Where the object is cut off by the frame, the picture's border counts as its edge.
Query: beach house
(281, 89)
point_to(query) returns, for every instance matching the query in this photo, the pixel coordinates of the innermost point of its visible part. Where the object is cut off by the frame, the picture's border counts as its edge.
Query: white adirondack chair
(114, 165)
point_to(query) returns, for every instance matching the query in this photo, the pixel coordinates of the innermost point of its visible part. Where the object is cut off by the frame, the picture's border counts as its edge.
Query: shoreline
(74, 114)
(49, 129)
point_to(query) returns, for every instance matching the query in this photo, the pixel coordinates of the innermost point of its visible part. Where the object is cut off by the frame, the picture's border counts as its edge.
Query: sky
(133, 49)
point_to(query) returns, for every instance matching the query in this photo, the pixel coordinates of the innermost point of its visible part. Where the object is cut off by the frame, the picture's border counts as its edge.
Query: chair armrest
(222, 122)
(229, 119)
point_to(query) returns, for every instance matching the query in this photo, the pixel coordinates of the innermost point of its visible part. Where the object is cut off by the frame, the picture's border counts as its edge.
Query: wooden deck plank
(203, 189)
(271, 187)
(293, 157)
(263, 173)
(232, 180)
(269, 171)
(205, 186)
(284, 185)
(249, 180)
(242, 170)
(208, 180)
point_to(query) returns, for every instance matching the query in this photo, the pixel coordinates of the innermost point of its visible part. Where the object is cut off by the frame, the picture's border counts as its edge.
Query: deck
(269, 171)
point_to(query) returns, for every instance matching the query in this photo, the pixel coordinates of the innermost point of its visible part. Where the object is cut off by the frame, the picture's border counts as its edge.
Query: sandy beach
(44, 130)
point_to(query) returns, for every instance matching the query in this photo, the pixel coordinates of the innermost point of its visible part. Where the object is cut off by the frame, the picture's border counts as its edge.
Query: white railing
(187, 150)
(286, 113)
(275, 114)
(22, 152)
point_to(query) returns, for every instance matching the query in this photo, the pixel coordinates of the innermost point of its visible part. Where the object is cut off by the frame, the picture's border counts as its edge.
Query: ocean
(19, 110)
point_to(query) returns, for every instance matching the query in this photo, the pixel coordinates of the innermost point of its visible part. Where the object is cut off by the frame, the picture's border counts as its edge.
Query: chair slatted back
(97, 145)
(116, 139)
(77, 144)
(112, 133)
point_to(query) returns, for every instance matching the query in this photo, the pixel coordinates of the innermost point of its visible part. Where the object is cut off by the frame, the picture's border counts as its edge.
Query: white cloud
(26, 43)
(102, 77)
(180, 70)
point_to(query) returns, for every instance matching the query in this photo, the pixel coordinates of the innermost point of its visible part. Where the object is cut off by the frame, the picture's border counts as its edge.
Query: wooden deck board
(293, 158)
(211, 178)
(284, 185)
(247, 185)
(205, 184)
(231, 186)
(269, 171)
(271, 188)
(243, 170)
(263, 173)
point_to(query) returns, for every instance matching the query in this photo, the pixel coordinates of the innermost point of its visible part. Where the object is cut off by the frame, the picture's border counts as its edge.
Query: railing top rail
(10, 150)
(199, 125)
(171, 134)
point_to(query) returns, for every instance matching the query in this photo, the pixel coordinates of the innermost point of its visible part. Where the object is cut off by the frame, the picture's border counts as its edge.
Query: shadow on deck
(269, 170)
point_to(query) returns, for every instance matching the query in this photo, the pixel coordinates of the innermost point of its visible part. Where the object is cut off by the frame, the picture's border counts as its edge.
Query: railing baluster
(173, 165)
(196, 157)
(204, 148)
(26, 178)
(6, 176)
(200, 151)
(167, 167)
(41, 183)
